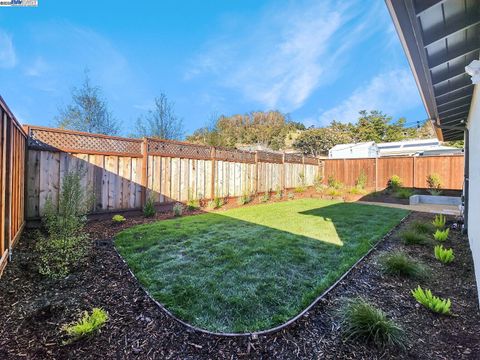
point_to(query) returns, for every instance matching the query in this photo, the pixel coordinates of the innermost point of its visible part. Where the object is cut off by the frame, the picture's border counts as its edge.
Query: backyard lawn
(254, 267)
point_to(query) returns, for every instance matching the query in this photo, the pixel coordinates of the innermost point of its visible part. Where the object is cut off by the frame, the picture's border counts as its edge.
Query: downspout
(466, 182)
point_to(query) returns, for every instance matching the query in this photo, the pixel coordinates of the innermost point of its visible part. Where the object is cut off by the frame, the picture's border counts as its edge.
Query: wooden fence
(121, 173)
(12, 174)
(412, 170)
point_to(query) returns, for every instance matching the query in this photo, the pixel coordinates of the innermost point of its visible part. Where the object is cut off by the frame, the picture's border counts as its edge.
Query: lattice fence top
(234, 155)
(73, 141)
(311, 160)
(178, 149)
(294, 158)
(269, 157)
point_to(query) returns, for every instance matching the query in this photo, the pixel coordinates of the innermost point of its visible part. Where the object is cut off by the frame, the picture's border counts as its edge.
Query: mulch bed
(388, 197)
(34, 309)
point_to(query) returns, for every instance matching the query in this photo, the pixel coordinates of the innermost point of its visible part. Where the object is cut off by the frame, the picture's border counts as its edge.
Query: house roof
(352, 145)
(409, 143)
(440, 38)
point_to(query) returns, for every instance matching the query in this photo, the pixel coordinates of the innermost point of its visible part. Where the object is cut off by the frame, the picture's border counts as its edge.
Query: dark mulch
(390, 198)
(33, 310)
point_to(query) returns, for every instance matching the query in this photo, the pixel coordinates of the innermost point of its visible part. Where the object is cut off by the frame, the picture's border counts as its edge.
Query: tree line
(88, 111)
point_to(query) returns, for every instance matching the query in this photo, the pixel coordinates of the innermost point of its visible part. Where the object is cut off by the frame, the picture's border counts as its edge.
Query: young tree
(161, 122)
(88, 111)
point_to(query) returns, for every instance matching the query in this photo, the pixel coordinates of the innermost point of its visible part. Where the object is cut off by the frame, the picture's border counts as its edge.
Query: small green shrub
(361, 181)
(334, 184)
(363, 321)
(411, 237)
(66, 244)
(290, 196)
(300, 189)
(422, 227)
(118, 219)
(87, 325)
(149, 208)
(265, 197)
(244, 199)
(356, 191)
(279, 194)
(318, 182)
(441, 235)
(403, 193)
(215, 203)
(177, 209)
(439, 221)
(443, 255)
(193, 204)
(434, 303)
(400, 264)
(394, 183)
(334, 192)
(434, 184)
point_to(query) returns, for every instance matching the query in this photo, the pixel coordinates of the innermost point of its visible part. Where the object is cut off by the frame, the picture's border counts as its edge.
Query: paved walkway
(429, 208)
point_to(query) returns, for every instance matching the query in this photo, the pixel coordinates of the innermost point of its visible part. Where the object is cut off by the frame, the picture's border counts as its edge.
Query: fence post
(212, 179)
(376, 174)
(144, 177)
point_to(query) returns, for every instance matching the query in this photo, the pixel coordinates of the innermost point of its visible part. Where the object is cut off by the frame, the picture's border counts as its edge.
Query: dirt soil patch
(34, 309)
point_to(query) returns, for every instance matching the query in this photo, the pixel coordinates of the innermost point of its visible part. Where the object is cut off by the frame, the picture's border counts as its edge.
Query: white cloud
(8, 58)
(38, 68)
(392, 92)
(279, 59)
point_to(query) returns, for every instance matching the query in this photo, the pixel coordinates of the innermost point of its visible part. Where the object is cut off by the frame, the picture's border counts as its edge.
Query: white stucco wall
(473, 124)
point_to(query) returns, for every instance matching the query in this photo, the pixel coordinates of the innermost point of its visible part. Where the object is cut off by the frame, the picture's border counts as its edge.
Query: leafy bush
(356, 191)
(411, 237)
(244, 199)
(443, 255)
(400, 264)
(300, 189)
(441, 235)
(334, 184)
(361, 181)
(177, 209)
(434, 184)
(362, 320)
(88, 324)
(422, 227)
(265, 197)
(149, 208)
(193, 204)
(118, 219)
(318, 181)
(215, 203)
(434, 303)
(66, 245)
(334, 192)
(290, 196)
(278, 194)
(394, 183)
(403, 193)
(439, 221)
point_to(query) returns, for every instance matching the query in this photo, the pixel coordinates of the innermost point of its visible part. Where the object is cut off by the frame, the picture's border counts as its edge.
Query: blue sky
(316, 60)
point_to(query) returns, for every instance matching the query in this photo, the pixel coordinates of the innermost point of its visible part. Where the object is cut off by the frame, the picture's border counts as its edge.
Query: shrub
(434, 184)
(215, 203)
(290, 196)
(149, 208)
(434, 303)
(66, 245)
(334, 184)
(441, 235)
(265, 197)
(88, 324)
(403, 193)
(244, 199)
(439, 221)
(361, 181)
(177, 209)
(193, 204)
(443, 255)
(394, 183)
(411, 237)
(118, 219)
(400, 264)
(279, 194)
(363, 321)
(318, 181)
(300, 189)
(334, 192)
(356, 191)
(422, 227)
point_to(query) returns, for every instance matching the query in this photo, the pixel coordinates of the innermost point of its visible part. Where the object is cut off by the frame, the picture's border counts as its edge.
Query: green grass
(255, 267)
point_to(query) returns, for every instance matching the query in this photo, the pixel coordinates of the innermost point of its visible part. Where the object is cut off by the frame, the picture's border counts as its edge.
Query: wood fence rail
(12, 175)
